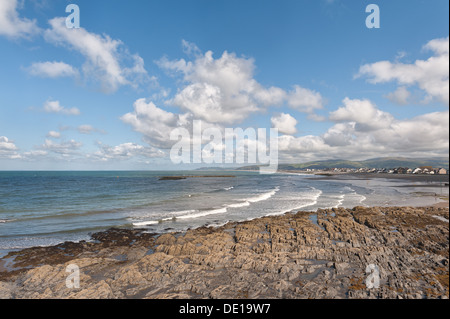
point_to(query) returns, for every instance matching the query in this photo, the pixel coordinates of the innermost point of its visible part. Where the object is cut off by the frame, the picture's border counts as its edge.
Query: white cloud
(439, 46)
(33, 155)
(364, 113)
(205, 101)
(190, 48)
(54, 134)
(52, 70)
(363, 131)
(12, 25)
(431, 75)
(401, 96)
(64, 148)
(55, 107)
(89, 129)
(303, 145)
(86, 129)
(7, 148)
(6, 144)
(341, 134)
(428, 132)
(285, 123)
(107, 61)
(154, 123)
(218, 90)
(125, 151)
(224, 90)
(305, 100)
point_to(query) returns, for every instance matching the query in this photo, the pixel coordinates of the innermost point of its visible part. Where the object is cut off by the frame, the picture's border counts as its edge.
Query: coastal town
(423, 170)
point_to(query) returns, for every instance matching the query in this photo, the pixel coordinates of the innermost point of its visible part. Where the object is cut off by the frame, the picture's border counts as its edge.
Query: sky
(107, 95)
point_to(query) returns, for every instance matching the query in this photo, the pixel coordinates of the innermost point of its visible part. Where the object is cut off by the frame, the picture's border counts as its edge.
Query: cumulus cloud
(12, 25)
(55, 107)
(71, 150)
(54, 134)
(7, 148)
(304, 144)
(218, 90)
(431, 75)
(52, 70)
(64, 148)
(305, 100)
(223, 90)
(154, 123)
(156, 126)
(124, 151)
(364, 113)
(341, 134)
(361, 130)
(401, 96)
(285, 123)
(107, 61)
(6, 144)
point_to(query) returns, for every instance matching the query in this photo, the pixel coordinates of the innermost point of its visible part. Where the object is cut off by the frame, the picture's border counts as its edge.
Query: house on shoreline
(425, 170)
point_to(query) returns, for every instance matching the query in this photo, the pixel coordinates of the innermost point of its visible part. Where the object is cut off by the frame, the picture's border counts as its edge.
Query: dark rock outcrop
(289, 256)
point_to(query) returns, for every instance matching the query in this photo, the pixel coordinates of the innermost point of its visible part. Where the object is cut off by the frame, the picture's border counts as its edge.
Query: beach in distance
(234, 235)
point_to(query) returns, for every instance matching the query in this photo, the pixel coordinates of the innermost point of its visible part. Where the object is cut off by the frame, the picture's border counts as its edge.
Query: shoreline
(411, 177)
(318, 254)
(443, 204)
(429, 179)
(122, 249)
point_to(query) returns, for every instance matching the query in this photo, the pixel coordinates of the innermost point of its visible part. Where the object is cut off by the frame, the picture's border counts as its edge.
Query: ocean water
(47, 208)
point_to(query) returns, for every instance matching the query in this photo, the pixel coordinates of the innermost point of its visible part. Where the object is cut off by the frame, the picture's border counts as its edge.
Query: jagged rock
(100, 290)
(286, 256)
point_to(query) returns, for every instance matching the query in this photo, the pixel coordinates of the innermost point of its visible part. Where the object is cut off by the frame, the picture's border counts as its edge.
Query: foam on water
(53, 207)
(238, 205)
(264, 196)
(306, 198)
(147, 223)
(192, 214)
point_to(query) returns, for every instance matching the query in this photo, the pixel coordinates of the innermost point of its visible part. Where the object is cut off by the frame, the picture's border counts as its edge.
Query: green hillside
(384, 162)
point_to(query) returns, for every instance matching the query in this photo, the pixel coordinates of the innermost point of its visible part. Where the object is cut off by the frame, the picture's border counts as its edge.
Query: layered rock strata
(323, 254)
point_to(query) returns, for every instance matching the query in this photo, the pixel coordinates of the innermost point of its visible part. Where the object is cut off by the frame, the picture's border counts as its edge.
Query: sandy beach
(318, 255)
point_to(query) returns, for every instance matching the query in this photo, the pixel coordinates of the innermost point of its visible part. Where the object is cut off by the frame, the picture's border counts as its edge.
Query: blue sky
(107, 95)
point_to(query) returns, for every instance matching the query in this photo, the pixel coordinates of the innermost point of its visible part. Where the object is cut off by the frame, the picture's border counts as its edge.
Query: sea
(47, 207)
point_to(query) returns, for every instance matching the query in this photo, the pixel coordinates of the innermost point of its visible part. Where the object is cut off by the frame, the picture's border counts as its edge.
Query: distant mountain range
(382, 162)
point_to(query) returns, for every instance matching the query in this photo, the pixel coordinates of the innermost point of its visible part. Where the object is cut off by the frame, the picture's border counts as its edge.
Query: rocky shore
(317, 255)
